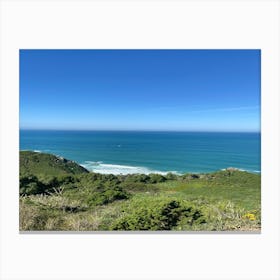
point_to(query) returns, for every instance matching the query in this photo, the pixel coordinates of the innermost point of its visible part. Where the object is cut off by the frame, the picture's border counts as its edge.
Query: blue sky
(188, 90)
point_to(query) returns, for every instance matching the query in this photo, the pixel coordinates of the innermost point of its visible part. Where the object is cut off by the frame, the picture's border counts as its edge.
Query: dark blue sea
(123, 152)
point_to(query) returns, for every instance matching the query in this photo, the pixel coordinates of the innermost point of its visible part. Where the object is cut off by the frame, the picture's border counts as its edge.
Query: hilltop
(40, 163)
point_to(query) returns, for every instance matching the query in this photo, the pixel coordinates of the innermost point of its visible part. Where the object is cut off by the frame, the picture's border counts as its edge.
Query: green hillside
(47, 164)
(58, 194)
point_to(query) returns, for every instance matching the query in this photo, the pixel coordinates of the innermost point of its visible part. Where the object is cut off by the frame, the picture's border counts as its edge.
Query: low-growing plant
(32, 217)
(104, 195)
(156, 214)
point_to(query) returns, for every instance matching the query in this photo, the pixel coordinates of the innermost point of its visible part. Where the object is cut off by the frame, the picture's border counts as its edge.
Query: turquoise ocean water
(121, 152)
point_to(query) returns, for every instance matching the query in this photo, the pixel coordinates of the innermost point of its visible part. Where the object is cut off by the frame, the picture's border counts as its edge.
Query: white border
(140, 24)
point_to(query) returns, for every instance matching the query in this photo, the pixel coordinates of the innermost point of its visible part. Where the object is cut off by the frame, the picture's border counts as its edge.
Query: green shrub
(143, 178)
(156, 214)
(156, 178)
(30, 185)
(136, 178)
(171, 176)
(139, 187)
(104, 195)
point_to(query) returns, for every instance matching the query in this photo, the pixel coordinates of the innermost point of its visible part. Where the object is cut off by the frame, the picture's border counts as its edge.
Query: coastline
(129, 152)
(119, 169)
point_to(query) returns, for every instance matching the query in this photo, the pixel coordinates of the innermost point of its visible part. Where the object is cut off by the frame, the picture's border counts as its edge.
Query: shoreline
(118, 169)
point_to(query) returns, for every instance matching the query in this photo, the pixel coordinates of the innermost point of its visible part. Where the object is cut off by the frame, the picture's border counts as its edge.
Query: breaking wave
(103, 168)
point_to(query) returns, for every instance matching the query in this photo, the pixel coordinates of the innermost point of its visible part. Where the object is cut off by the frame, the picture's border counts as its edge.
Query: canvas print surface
(140, 140)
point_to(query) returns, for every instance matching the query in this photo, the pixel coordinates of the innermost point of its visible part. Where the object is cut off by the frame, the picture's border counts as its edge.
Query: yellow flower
(250, 216)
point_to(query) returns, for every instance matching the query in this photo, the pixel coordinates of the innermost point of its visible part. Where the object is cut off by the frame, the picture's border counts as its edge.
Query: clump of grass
(56, 202)
(224, 216)
(83, 221)
(33, 217)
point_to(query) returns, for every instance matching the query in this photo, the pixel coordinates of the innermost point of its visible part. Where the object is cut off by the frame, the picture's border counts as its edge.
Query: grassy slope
(46, 164)
(226, 200)
(242, 188)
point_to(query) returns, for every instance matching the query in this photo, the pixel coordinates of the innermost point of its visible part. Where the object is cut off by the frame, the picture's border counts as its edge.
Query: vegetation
(58, 194)
(39, 163)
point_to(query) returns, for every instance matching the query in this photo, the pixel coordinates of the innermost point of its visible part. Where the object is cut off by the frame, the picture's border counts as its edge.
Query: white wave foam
(41, 151)
(116, 169)
(241, 169)
(93, 162)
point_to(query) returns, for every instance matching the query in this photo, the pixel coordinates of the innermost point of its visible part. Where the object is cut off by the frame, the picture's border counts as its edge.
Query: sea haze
(124, 152)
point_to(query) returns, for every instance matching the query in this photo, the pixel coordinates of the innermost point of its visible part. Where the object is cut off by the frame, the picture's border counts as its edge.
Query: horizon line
(140, 130)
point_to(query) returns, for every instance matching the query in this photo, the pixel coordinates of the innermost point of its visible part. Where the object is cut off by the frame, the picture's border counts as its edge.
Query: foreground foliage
(53, 197)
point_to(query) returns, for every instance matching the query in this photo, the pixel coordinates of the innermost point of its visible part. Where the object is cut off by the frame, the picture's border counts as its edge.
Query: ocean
(124, 152)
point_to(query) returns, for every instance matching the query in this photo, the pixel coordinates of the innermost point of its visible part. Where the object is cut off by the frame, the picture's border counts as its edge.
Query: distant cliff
(40, 163)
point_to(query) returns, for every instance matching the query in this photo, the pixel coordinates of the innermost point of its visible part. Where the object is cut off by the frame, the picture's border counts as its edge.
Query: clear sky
(189, 90)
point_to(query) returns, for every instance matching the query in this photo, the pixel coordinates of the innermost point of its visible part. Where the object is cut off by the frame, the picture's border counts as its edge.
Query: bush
(104, 195)
(30, 185)
(152, 178)
(156, 214)
(156, 178)
(171, 176)
(137, 178)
